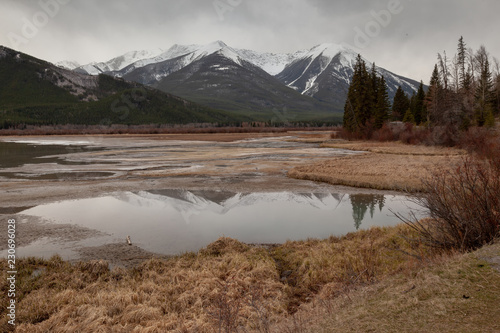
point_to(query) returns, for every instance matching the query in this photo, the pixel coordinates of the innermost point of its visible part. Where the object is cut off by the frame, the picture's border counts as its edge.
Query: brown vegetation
(226, 286)
(151, 129)
(396, 148)
(464, 201)
(453, 293)
(389, 166)
(377, 279)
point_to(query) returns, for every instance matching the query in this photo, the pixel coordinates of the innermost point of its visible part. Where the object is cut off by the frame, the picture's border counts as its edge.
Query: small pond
(176, 221)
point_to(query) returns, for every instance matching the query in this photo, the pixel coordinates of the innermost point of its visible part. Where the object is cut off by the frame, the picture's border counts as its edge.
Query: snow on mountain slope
(120, 62)
(323, 72)
(67, 64)
(272, 63)
(308, 67)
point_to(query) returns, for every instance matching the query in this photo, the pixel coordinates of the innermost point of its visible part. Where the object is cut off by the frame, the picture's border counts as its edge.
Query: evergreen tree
(367, 101)
(381, 111)
(497, 95)
(365, 97)
(350, 121)
(374, 86)
(358, 105)
(433, 97)
(408, 118)
(400, 105)
(418, 105)
(464, 78)
(465, 91)
(484, 96)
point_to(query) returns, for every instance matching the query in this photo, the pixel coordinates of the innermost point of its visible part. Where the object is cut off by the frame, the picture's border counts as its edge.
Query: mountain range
(183, 84)
(246, 81)
(36, 92)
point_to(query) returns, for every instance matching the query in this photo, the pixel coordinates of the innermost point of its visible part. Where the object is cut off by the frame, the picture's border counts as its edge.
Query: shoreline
(18, 195)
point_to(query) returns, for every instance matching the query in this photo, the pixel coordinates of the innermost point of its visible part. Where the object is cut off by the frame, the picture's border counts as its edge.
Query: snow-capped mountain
(223, 80)
(214, 77)
(118, 63)
(325, 73)
(272, 63)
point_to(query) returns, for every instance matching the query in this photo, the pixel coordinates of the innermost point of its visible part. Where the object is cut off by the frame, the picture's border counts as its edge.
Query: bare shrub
(386, 133)
(482, 142)
(464, 205)
(415, 135)
(406, 133)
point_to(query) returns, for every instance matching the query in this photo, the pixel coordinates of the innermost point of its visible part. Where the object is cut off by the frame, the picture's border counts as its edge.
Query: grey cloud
(93, 30)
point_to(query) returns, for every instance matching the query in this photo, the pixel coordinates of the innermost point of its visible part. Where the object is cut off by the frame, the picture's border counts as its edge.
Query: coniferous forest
(463, 92)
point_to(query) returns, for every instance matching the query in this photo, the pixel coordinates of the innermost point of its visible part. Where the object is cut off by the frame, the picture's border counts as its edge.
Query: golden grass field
(370, 280)
(385, 166)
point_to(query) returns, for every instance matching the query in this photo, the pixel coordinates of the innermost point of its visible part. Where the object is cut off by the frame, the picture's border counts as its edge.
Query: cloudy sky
(403, 36)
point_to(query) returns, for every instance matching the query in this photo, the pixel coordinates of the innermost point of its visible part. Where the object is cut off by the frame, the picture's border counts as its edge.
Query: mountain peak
(218, 43)
(329, 50)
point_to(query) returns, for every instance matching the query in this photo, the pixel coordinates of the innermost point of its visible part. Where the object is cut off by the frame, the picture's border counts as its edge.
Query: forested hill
(36, 92)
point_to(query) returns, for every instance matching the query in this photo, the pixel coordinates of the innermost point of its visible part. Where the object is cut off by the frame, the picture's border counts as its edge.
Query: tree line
(463, 91)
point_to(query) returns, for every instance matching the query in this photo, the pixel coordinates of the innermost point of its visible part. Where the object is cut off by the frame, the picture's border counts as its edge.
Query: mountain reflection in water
(175, 221)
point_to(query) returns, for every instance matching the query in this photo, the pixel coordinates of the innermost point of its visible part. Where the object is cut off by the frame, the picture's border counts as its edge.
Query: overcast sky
(405, 37)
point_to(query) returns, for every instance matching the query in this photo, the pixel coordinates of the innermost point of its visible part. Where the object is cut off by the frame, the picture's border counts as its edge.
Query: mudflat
(236, 162)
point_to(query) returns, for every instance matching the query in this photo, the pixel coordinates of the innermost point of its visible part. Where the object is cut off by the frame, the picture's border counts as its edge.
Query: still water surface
(176, 221)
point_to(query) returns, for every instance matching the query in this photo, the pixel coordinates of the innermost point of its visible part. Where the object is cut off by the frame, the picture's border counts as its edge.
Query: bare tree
(443, 69)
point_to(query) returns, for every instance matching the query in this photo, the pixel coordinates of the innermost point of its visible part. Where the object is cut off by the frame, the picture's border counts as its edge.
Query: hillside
(36, 92)
(230, 83)
(310, 84)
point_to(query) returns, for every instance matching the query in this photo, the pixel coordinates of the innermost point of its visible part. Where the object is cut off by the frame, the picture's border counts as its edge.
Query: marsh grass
(385, 166)
(374, 170)
(451, 293)
(227, 287)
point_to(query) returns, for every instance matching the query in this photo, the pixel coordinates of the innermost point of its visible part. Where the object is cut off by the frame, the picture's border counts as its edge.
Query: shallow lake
(175, 221)
(14, 154)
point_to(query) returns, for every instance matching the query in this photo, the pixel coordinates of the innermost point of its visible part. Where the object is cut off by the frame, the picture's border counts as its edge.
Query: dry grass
(376, 171)
(386, 166)
(160, 295)
(371, 280)
(197, 292)
(457, 293)
(397, 148)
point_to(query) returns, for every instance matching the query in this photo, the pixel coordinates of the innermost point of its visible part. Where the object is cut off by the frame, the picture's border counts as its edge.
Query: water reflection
(362, 202)
(174, 221)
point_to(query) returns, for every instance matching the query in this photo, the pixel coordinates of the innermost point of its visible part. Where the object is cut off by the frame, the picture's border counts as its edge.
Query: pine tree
(408, 118)
(381, 114)
(358, 105)
(464, 78)
(374, 86)
(496, 109)
(400, 105)
(365, 97)
(418, 105)
(484, 94)
(350, 121)
(465, 91)
(433, 97)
